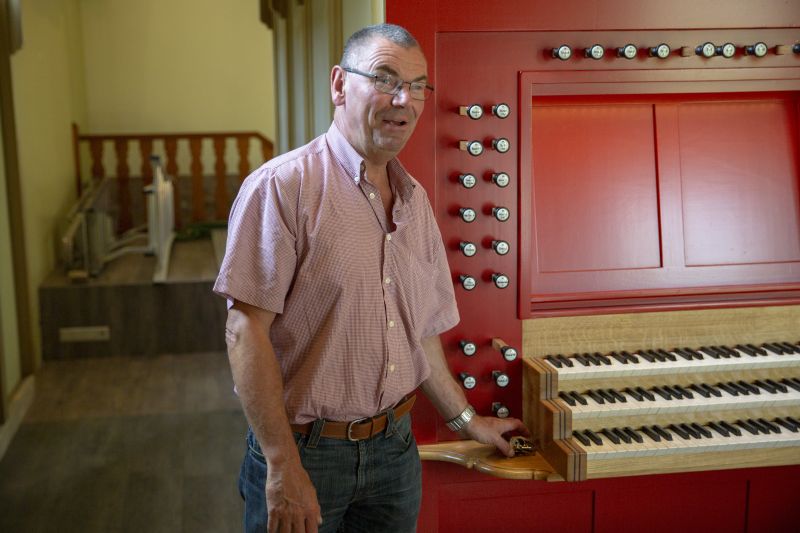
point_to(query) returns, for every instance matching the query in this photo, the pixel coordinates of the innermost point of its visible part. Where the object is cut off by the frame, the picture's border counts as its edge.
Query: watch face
(662, 51)
(475, 112)
(501, 110)
(760, 49)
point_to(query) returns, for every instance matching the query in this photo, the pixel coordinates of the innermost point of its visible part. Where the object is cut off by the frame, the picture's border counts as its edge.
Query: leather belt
(360, 429)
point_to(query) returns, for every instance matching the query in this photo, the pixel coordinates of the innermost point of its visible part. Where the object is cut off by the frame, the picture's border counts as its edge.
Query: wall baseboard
(18, 407)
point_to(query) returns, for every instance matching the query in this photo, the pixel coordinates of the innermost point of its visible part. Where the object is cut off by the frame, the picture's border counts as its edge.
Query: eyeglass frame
(397, 89)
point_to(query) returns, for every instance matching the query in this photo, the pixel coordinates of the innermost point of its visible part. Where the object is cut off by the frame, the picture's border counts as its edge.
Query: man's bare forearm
(440, 387)
(259, 384)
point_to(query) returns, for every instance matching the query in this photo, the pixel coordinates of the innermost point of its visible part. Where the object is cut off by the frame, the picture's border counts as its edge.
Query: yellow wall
(177, 65)
(46, 77)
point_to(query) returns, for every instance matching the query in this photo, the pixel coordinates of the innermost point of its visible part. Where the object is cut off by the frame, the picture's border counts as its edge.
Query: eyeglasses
(390, 84)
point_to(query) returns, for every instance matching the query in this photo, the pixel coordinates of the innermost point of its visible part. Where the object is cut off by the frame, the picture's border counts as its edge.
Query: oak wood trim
(485, 459)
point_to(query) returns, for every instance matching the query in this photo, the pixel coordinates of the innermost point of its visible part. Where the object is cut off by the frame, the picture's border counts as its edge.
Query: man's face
(379, 124)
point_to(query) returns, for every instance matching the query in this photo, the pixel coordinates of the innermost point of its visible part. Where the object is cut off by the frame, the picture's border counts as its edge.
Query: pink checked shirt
(308, 239)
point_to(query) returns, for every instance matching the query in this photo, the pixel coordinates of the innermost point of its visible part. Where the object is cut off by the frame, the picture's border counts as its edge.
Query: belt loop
(390, 426)
(316, 431)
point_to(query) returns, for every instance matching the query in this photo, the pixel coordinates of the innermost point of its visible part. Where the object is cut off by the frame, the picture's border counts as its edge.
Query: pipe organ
(618, 187)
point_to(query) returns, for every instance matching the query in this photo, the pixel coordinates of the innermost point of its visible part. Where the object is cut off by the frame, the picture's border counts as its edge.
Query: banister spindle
(196, 168)
(220, 192)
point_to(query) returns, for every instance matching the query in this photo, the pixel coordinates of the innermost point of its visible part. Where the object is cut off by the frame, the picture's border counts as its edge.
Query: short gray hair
(391, 32)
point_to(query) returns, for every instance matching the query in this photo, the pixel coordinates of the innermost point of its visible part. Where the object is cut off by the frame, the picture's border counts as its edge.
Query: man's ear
(337, 85)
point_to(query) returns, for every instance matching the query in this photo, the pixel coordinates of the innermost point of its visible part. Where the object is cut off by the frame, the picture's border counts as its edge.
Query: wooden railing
(122, 143)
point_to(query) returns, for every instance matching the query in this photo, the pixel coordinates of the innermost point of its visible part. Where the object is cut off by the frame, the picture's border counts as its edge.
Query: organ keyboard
(682, 407)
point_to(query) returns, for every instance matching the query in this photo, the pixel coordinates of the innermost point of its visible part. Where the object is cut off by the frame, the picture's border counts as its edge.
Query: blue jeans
(371, 485)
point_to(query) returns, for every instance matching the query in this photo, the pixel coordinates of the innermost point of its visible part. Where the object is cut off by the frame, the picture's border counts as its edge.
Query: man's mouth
(397, 123)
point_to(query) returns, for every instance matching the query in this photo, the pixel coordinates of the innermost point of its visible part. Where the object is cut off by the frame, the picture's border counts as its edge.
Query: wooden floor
(119, 444)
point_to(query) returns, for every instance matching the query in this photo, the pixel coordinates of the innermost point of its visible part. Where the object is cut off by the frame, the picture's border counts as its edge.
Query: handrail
(121, 142)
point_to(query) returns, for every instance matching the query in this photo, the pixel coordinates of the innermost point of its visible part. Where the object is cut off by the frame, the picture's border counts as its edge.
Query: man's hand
(291, 500)
(490, 430)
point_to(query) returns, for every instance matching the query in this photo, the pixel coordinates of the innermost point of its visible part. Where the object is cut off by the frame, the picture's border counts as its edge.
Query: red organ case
(613, 176)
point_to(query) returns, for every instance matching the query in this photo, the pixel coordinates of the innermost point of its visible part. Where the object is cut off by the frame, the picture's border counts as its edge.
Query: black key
(683, 354)
(700, 429)
(793, 420)
(660, 358)
(636, 396)
(606, 396)
(553, 361)
(726, 388)
(605, 360)
(661, 392)
(730, 428)
(746, 349)
(650, 433)
(679, 431)
(759, 351)
(759, 426)
(788, 425)
(686, 393)
(622, 435)
(617, 395)
(594, 437)
(621, 358)
(567, 398)
(632, 358)
(739, 388)
(747, 427)
(748, 387)
(719, 429)
(791, 347)
(646, 356)
(690, 430)
(675, 394)
(700, 390)
(790, 383)
(722, 353)
(610, 435)
(766, 386)
(596, 397)
(583, 440)
(633, 434)
(647, 394)
(712, 390)
(592, 359)
(778, 386)
(663, 432)
(582, 360)
(565, 360)
(731, 351)
(795, 380)
(697, 355)
(710, 352)
(769, 425)
(578, 398)
(774, 348)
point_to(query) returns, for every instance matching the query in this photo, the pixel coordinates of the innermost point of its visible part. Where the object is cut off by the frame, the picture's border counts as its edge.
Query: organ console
(641, 308)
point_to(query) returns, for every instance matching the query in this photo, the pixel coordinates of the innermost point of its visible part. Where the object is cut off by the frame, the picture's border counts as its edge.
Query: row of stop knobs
(663, 50)
(500, 378)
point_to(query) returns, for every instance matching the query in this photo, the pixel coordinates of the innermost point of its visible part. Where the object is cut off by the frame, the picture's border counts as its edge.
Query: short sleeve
(260, 254)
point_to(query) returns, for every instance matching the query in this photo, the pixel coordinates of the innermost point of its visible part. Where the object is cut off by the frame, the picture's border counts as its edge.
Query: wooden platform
(181, 315)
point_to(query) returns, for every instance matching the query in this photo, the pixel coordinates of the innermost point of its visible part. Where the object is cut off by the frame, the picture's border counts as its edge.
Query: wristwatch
(458, 423)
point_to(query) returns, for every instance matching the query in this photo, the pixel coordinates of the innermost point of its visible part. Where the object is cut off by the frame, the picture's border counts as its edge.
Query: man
(338, 287)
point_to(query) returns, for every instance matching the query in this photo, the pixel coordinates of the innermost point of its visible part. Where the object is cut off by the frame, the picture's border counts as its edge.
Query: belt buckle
(350, 427)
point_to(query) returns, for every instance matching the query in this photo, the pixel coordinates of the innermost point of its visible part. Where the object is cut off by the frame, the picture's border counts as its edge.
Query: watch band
(458, 423)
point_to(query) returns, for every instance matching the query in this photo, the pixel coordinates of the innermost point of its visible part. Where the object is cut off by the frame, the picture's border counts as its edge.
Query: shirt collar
(354, 166)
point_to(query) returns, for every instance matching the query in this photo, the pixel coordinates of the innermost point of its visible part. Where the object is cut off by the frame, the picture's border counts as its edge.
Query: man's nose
(402, 96)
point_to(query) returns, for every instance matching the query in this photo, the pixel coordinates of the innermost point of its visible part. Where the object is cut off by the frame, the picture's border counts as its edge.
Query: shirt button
(387, 280)
(388, 237)
(391, 323)
(372, 196)
(391, 368)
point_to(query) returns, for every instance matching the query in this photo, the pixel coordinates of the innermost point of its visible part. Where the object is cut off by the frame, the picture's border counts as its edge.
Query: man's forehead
(394, 58)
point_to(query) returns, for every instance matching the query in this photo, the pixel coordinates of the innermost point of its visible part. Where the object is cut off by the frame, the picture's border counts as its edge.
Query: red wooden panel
(773, 502)
(671, 503)
(595, 187)
(739, 180)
